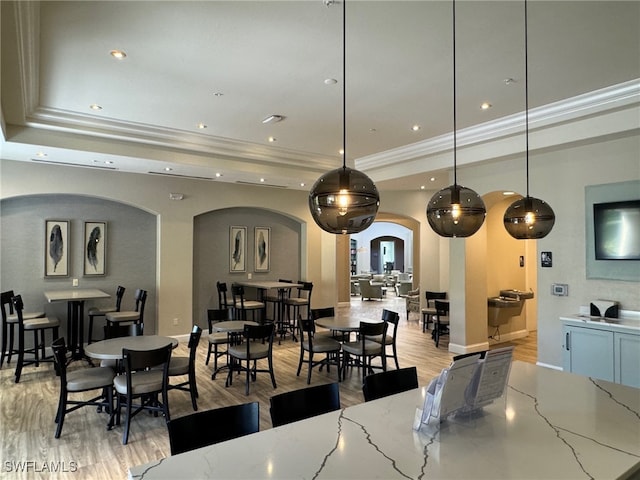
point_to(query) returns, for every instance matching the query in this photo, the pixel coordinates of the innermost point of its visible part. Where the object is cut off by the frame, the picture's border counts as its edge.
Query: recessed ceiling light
(108, 162)
(41, 154)
(485, 106)
(95, 106)
(218, 94)
(415, 128)
(273, 119)
(302, 184)
(262, 180)
(272, 139)
(330, 81)
(201, 126)
(509, 81)
(432, 179)
(218, 175)
(119, 54)
(341, 151)
(422, 187)
(167, 169)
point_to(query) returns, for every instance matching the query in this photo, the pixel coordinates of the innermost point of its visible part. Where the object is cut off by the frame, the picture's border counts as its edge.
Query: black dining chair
(390, 339)
(312, 345)
(130, 316)
(216, 339)
(441, 326)
(258, 345)
(181, 366)
(304, 403)
(102, 311)
(80, 381)
(146, 376)
(382, 384)
(429, 312)
(9, 322)
(365, 348)
(241, 305)
(39, 326)
(209, 427)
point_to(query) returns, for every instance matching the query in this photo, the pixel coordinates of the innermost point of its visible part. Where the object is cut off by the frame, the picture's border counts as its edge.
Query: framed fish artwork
(237, 249)
(262, 248)
(95, 248)
(56, 248)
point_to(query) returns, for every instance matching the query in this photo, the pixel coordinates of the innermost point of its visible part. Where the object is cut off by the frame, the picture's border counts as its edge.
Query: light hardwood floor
(27, 409)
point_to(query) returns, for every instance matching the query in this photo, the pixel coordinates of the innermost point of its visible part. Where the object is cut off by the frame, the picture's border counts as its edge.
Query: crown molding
(567, 110)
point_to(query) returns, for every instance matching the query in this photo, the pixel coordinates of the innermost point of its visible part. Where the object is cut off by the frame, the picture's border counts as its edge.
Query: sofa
(369, 290)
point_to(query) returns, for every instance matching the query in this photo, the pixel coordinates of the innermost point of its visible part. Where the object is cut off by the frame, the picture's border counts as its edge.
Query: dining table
(548, 425)
(233, 328)
(111, 349)
(344, 324)
(75, 298)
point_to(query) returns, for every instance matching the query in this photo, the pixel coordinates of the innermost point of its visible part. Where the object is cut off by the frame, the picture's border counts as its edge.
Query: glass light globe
(344, 201)
(529, 218)
(456, 211)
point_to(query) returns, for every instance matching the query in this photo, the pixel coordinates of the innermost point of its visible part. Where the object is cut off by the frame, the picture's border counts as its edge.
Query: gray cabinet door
(588, 351)
(627, 359)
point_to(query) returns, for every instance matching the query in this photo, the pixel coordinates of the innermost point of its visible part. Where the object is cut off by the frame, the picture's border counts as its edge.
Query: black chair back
(323, 312)
(141, 300)
(307, 402)
(390, 316)
(117, 330)
(431, 296)
(119, 294)
(387, 383)
(442, 308)
(215, 315)
(222, 295)
(213, 426)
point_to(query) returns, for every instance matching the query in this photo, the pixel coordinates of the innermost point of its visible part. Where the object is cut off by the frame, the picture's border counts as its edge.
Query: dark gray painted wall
(211, 252)
(130, 243)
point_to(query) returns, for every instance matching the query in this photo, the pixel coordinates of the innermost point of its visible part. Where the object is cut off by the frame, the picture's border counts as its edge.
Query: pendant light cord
(344, 84)
(455, 149)
(526, 94)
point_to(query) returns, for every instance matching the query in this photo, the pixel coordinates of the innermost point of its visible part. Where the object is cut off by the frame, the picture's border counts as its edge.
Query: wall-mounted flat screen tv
(617, 230)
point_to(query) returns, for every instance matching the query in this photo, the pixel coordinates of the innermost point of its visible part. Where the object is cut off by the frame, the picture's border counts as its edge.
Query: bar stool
(134, 316)
(102, 312)
(36, 325)
(223, 301)
(294, 304)
(9, 321)
(241, 306)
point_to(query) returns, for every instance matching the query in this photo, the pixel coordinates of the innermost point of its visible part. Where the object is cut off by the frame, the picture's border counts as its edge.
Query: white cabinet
(589, 352)
(602, 351)
(627, 359)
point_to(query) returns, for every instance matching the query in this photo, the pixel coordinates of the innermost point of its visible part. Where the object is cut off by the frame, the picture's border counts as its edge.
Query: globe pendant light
(455, 211)
(344, 200)
(528, 218)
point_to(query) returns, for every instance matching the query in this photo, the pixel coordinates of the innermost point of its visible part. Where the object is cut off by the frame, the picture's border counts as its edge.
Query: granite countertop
(550, 424)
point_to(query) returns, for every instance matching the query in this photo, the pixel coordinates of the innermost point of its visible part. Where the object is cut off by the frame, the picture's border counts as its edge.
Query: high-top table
(262, 286)
(75, 298)
(551, 425)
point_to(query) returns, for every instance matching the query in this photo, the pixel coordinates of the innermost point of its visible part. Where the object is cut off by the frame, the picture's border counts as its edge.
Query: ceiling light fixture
(273, 119)
(455, 211)
(344, 200)
(485, 106)
(119, 54)
(272, 139)
(95, 106)
(201, 126)
(415, 128)
(528, 217)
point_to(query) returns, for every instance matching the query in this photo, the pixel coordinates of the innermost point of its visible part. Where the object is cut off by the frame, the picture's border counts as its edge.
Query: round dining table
(111, 349)
(345, 324)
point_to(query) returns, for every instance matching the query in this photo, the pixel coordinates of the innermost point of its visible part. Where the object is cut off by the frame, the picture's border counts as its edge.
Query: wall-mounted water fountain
(502, 308)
